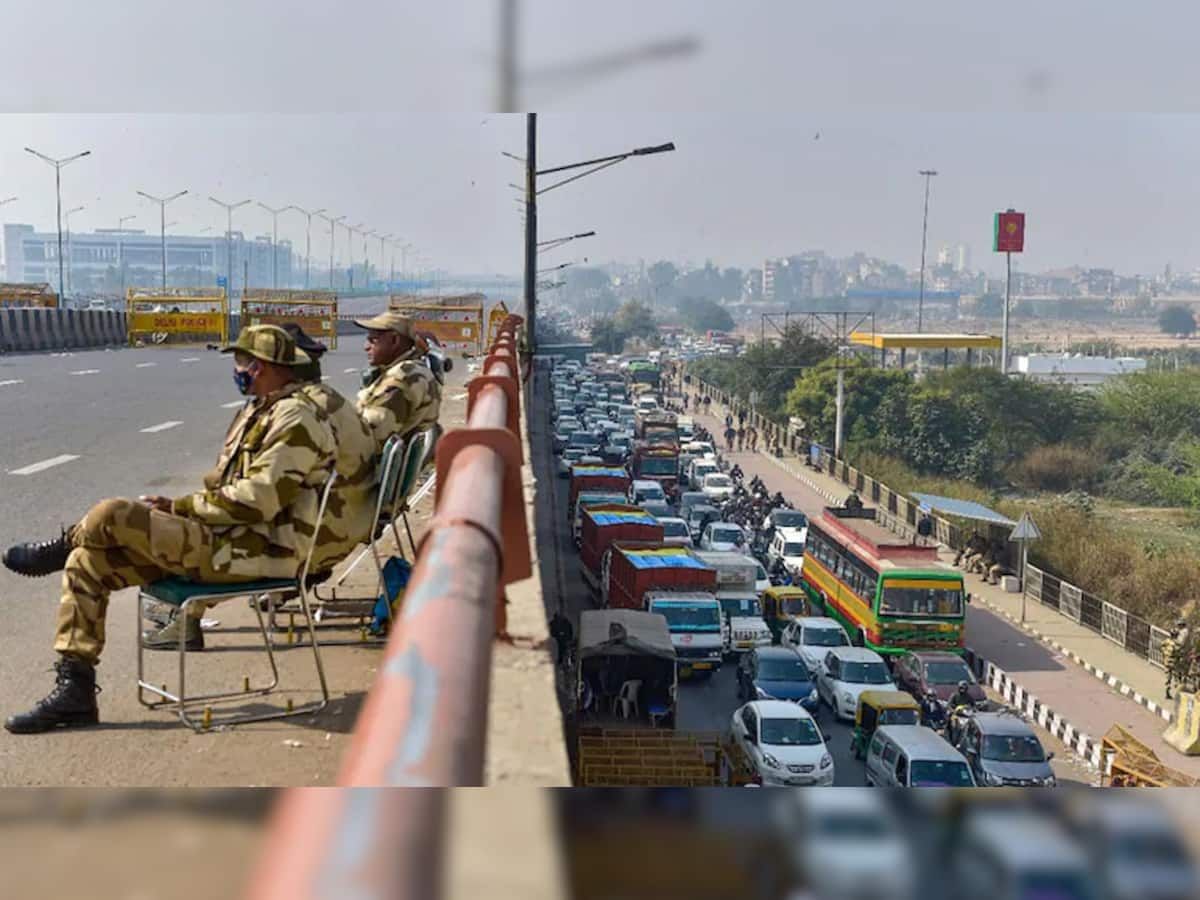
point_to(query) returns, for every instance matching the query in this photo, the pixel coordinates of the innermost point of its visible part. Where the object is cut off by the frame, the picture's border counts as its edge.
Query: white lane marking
(12, 381)
(161, 426)
(146, 365)
(44, 464)
(326, 377)
(458, 397)
(87, 372)
(190, 359)
(233, 405)
(348, 371)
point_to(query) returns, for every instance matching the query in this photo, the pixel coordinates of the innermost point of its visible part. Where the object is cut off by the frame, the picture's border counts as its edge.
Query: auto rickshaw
(877, 708)
(783, 604)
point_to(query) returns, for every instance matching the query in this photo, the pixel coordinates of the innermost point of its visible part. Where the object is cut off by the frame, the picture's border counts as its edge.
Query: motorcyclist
(778, 501)
(933, 713)
(962, 697)
(736, 473)
(959, 707)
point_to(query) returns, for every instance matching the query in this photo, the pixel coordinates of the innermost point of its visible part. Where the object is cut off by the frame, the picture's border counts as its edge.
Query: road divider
(30, 330)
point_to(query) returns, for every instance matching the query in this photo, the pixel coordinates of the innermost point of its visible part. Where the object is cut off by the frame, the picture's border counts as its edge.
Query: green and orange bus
(889, 594)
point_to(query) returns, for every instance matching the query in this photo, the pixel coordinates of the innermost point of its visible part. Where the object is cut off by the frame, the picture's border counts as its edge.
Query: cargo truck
(742, 624)
(657, 462)
(610, 479)
(608, 522)
(694, 621)
(629, 571)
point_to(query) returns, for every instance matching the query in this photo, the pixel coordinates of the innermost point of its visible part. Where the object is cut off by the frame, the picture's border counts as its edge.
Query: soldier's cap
(392, 320)
(269, 343)
(309, 345)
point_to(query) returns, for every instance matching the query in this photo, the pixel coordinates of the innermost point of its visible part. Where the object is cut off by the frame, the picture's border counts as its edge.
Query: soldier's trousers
(117, 544)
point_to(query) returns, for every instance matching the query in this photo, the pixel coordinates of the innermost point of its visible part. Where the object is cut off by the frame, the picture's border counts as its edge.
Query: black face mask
(244, 379)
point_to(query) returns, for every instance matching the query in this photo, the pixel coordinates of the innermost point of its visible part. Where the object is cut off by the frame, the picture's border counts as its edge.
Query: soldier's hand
(163, 504)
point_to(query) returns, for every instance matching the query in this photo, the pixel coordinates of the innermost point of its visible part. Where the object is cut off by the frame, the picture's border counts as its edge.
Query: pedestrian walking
(741, 437)
(753, 435)
(741, 417)
(730, 434)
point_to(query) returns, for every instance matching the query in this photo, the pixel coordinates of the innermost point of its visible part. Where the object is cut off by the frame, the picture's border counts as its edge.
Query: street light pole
(58, 165)
(229, 208)
(332, 226)
(121, 248)
(352, 230)
(383, 239)
(274, 241)
(531, 234)
(67, 217)
(162, 214)
(307, 239)
(928, 174)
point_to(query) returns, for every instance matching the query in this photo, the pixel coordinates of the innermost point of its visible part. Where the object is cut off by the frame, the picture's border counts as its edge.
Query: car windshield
(760, 573)
(793, 548)
(922, 602)
(849, 827)
(657, 465)
(740, 606)
(789, 518)
(1018, 748)
(1054, 886)
(685, 617)
(948, 672)
(900, 716)
(825, 637)
(790, 732)
(865, 673)
(573, 453)
(675, 528)
(619, 441)
(726, 535)
(783, 670)
(938, 773)
(701, 471)
(582, 437)
(650, 492)
(1147, 848)
(717, 481)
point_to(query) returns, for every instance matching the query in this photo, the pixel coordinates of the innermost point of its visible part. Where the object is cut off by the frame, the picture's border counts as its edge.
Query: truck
(629, 570)
(657, 462)
(656, 426)
(610, 479)
(694, 621)
(608, 522)
(743, 627)
(643, 373)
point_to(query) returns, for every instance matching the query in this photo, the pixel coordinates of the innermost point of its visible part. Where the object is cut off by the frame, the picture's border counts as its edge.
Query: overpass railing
(424, 722)
(1128, 631)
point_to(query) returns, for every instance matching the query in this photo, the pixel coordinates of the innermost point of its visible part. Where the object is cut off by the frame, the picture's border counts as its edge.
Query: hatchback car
(1003, 751)
(722, 536)
(812, 636)
(675, 531)
(848, 671)
(935, 672)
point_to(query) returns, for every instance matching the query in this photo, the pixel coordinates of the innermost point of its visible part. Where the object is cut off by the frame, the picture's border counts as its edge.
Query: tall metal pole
(162, 212)
(121, 248)
(531, 230)
(1007, 300)
(58, 164)
(332, 229)
(274, 241)
(507, 99)
(229, 208)
(928, 173)
(67, 216)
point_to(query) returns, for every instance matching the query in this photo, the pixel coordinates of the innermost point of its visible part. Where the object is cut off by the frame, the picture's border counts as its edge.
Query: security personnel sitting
(253, 522)
(401, 394)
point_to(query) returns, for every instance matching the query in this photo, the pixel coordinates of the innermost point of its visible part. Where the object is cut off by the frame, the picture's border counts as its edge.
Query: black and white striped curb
(1112, 681)
(800, 476)
(1086, 748)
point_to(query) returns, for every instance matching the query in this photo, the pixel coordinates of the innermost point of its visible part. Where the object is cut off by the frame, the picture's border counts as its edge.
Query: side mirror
(827, 738)
(1050, 756)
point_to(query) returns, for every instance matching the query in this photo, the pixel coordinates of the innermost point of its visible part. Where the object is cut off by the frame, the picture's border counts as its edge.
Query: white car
(723, 536)
(783, 744)
(762, 580)
(641, 490)
(812, 637)
(848, 671)
(697, 469)
(717, 486)
(676, 532)
(787, 544)
(848, 843)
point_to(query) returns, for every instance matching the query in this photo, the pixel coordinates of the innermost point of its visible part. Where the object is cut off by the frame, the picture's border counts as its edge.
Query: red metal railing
(424, 723)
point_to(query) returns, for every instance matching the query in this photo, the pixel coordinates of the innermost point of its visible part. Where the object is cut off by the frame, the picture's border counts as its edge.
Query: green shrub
(1058, 467)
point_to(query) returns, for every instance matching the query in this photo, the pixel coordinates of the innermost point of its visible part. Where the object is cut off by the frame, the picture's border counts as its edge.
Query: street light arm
(637, 151)
(592, 171)
(175, 196)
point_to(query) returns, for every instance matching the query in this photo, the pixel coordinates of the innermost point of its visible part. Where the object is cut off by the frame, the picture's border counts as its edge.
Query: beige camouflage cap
(392, 320)
(270, 343)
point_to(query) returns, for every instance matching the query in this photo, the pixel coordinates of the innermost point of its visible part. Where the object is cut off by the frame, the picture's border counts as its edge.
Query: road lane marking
(12, 381)
(146, 365)
(190, 359)
(44, 464)
(233, 405)
(458, 397)
(348, 371)
(161, 426)
(87, 372)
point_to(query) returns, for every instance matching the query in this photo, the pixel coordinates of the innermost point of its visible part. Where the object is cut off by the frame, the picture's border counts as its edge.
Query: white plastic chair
(627, 699)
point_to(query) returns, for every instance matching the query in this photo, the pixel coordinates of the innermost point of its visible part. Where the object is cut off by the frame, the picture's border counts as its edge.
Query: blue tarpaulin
(614, 518)
(964, 509)
(662, 561)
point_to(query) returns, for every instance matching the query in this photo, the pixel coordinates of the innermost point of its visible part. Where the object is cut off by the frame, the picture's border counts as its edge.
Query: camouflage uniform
(255, 519)
(406, 396)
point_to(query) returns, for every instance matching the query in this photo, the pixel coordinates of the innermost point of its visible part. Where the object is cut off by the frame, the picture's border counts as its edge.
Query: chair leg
(411, 542)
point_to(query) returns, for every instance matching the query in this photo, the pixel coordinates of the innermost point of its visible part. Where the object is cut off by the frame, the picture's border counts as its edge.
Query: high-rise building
(962, 258)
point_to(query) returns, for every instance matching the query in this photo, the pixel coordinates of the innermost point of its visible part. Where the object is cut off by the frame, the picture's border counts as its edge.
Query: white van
(915, 756)
(1013, 854)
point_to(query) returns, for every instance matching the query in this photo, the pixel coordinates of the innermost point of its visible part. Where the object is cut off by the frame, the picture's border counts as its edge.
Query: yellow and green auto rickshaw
(877, 708)
(783, 604)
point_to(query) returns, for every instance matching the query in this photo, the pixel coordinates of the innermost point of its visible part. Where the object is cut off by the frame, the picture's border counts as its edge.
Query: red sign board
(1009, 236)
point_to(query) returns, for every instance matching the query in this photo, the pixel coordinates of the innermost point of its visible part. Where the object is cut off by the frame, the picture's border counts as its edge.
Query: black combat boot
(71, 703)
(36, 559)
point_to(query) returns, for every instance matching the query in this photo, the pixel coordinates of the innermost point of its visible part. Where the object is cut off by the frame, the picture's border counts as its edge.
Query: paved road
(704, 705)
(77, 424)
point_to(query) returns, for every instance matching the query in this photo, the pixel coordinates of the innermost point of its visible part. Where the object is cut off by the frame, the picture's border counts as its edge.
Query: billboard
(1009, 232)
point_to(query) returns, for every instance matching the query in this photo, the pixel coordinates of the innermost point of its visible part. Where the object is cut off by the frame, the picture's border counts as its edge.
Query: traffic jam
(845, 641)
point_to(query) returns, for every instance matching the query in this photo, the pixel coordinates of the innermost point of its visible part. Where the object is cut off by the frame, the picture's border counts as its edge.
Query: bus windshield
(922, 602)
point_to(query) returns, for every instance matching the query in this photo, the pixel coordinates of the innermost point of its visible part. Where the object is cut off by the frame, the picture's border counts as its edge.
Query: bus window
(906, 601)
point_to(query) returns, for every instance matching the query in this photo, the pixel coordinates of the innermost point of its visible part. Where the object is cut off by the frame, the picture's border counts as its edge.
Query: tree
(1177, 320)
(814, 399)
(607, 336)
(702, 314)
(662, 277)
(634, 319)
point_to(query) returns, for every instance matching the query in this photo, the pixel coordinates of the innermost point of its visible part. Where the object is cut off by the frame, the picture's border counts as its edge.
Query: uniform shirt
(351, 507)
(406, 397)
(261, 501)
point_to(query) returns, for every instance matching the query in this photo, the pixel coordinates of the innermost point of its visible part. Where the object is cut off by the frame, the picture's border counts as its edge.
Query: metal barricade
(1070, 601)
(1115, 622)
(1032, 582)
(1156, 650)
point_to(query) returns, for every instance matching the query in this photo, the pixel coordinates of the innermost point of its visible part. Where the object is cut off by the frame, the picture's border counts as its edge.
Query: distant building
(1077, 370)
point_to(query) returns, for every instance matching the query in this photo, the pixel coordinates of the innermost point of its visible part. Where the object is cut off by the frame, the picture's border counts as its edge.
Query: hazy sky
(365, 108)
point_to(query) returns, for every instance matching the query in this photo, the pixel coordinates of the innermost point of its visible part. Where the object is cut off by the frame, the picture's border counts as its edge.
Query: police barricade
(316, 312)
(457, 328)
(23, 295)
(176, 316)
